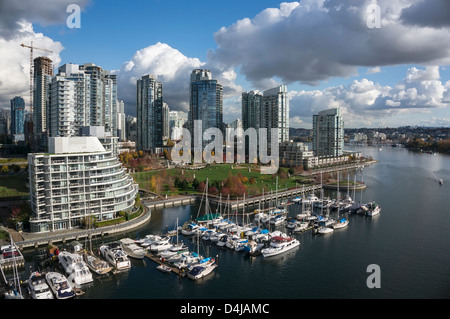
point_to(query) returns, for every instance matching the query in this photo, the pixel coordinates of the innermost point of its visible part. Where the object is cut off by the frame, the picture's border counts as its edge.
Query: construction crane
(31, 47)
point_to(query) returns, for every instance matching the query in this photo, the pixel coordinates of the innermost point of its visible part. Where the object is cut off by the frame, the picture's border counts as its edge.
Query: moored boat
(280, 245)
(60, 286)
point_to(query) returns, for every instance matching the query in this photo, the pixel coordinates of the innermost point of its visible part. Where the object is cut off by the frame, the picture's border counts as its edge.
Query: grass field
(220, 172)
(13, 185)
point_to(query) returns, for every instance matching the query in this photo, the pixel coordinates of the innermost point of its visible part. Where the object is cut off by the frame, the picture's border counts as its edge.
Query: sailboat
(15, 290)
(205, 265)
(94, 262)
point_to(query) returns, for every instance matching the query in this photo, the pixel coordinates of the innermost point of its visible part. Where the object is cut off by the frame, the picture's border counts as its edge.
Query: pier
(233, 203)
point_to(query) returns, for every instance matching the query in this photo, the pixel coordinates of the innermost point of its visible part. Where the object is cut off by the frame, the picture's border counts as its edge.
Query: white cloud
(364, 102)
(173, 69)
(376, 69)
(312, 41)
(15, 61)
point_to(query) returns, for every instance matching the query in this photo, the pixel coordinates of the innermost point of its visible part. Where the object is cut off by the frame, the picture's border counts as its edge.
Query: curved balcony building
(77, 179)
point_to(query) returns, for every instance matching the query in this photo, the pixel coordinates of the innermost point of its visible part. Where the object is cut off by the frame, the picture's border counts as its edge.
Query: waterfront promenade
(29, 240)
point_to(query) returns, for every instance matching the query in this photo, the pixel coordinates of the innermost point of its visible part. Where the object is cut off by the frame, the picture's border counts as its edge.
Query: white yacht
(114, 254)
(280, 245)
(202, 269)
(37, 287)
(59, 285)
(161, 245)
(340, 224)
(311, 199)
(191, 229)
(148, 240)
(277, 220)
(76, 269)
(325, 230)
(187, 260)
(131, 249)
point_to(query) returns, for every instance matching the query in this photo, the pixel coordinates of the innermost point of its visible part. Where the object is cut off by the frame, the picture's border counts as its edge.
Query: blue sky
(394, 75)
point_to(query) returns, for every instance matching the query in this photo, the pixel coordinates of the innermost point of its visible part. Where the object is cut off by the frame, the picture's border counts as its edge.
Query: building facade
(17, 115)
(76, 180)
(149, 114)
(275, 113)
(328, 133)
(43, 72)
(205, 102)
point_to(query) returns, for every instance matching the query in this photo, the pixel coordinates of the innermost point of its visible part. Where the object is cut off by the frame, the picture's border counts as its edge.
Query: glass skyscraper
(149, 114)
(205, 102)
(17, 115)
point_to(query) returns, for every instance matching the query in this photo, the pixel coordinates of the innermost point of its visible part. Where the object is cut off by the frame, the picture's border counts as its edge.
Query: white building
(328, 133)
(77, 179)
(275, 113)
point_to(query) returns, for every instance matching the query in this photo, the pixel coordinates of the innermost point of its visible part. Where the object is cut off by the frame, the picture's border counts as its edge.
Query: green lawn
(13, 185)
(220, 172)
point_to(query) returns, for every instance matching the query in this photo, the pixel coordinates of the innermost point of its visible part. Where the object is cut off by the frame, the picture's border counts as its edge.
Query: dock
(177, 271)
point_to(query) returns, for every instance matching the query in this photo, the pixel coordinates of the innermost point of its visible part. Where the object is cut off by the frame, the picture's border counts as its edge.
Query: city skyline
(392, 80)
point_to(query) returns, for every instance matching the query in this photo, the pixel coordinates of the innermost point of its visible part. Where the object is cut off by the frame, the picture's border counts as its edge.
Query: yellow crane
(31, 47)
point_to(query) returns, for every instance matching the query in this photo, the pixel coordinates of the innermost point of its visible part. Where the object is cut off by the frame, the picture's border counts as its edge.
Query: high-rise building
(121, 121)
(165, 122)
(43, 72)
(205, 102)
(328, 133)
(17, 115)
(251, 109)
(149, 114)
(275, 113)
(75, 180)
(82, 95)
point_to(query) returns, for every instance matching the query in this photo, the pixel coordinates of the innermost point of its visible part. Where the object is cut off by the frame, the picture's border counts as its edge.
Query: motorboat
(222, 241)
(131, 249)
(311, 199)
(96, 264)
(325, 230)
(59, 284)
(252, 247)
(279, 245)
(38, 287)
(76, 269)
(174, 250)
(164, 268)
(202, 269)
(340, 224)
(291, 224)
(114, 254)
(297, 199)
(441, 181)
(370, 209)
(239, 246)
(191, 229)
(301, 226)
(161, 245)
(277, 220)
(148, 240)
(188, 259)
(216, 237)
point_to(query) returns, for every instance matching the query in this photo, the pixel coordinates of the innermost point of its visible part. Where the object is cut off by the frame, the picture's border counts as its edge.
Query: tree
(4, 169)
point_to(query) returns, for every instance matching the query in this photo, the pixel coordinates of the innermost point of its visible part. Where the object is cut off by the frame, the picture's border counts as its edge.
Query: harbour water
(409, 241)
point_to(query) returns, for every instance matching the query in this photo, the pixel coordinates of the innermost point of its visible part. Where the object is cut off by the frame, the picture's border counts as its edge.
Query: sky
(384, 63)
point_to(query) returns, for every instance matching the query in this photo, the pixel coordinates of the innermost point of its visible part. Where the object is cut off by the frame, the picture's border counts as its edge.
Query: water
(408, 240)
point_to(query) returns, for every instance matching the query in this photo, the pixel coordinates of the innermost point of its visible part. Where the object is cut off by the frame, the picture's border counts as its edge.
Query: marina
(329, 265)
